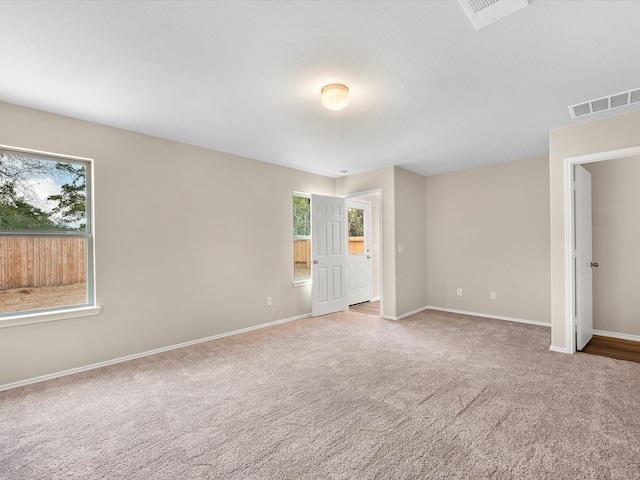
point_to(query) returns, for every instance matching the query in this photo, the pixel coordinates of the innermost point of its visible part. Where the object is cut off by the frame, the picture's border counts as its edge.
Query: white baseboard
(484, 315)
(558, 349)
(374, 299)
(405, 315)
(50, 376)
(622, 336)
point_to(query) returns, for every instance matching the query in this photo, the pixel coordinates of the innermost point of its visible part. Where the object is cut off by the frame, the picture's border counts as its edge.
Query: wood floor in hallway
(368, 308)
(614, 348)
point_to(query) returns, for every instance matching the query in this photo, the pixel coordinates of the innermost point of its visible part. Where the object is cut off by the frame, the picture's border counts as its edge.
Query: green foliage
(356, 222)
(72, 201)
(301, 215)
(302, 218)
(16, 214)
(20, 207)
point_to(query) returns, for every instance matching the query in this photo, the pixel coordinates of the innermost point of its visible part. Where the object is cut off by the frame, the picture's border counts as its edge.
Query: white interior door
(583, 257)
(359, 254)
(328, 253)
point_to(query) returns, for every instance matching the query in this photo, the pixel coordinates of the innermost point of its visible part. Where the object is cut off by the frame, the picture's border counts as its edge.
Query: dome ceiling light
(335, 96)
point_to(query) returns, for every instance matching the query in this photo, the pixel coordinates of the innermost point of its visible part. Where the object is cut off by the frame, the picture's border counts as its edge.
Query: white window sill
(302, 283)
(51, 316)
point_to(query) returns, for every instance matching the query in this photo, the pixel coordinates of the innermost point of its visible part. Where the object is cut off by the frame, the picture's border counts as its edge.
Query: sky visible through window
(39, 194)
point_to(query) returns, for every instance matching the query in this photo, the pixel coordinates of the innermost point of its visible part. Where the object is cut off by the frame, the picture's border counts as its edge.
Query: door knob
(315, 261)
(368, 257)
(594, 264)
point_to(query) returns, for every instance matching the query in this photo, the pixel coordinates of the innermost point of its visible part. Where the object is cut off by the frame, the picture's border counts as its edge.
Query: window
(356, 231)
(46, 235)
(301, 237)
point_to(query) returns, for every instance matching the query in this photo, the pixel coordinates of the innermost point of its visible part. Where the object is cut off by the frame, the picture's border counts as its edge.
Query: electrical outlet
(269, 302)
(400, 249)
(493, 295)
(459, 292)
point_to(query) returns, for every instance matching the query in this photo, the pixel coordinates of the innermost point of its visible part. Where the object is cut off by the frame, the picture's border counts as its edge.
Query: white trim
(91, 253)
(48, 154)
(622, 336)
(570, 343)
(569, 162)
(93, 366)
(557, 349)
(495, 317)
(365, 193)
(608, 155)
(50, 316)
(405, 315)
(375, 299)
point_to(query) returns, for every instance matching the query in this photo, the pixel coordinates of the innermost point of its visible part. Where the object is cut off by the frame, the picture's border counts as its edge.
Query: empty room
(319, 239)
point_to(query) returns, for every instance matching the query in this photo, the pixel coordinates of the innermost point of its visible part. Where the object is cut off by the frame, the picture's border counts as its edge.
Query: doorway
(327, 261)
(359, 258)
(374, 199)
(572, 238)
(616, 237)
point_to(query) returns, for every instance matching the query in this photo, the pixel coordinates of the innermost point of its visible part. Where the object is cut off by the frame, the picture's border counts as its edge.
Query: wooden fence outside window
(302, 249)
(42, 261)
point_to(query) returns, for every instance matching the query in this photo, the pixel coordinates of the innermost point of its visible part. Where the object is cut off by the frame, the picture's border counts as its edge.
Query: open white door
(328, 253)
(583, 257)
(359, 255)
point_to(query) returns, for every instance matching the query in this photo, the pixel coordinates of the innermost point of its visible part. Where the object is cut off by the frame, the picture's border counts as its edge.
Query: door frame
(583, 255)
(569, 232)
(378, 193)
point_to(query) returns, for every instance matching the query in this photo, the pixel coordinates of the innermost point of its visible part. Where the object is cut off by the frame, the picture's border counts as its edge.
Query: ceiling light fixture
(335, 96)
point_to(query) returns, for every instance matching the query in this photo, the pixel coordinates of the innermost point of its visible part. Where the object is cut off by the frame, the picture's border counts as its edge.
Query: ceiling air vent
(605, 103)
(483, 12)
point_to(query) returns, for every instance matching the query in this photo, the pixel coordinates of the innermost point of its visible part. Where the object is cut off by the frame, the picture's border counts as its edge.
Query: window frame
(10, 319)
(302, 281)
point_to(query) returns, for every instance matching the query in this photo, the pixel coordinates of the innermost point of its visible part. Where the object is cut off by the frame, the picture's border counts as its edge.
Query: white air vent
(605, 103)
(483, 12)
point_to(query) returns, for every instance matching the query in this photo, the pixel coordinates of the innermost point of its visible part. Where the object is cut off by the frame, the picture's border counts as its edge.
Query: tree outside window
(301, 237)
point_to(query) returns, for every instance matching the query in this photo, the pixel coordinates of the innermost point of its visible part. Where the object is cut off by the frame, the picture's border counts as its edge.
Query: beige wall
(403, 223)
(173, 222)
(616, 238)
(173, 227)
(488, 230)
(411, 234)
(599, 136)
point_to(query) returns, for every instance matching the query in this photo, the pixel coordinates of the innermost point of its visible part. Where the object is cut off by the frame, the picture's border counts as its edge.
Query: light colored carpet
(345, 396)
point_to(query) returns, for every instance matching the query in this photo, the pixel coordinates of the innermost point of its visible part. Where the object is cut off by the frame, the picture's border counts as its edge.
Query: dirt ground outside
(31, 298)
(301, 272)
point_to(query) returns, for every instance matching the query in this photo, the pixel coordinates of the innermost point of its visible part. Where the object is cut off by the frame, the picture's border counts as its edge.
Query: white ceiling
(429, 92)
